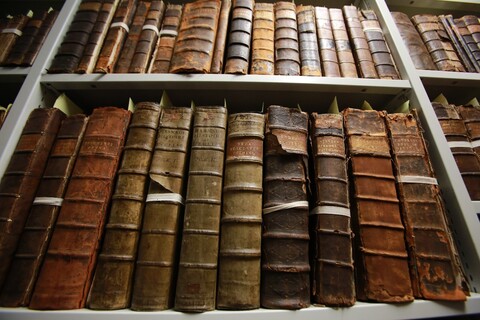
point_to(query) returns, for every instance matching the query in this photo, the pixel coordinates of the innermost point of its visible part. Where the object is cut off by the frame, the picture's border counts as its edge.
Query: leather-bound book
(381, 266)
(10, 34)
(473, 25)
(434, 270)
(416, 47)
(263, 45)
(220, 41)
(362, 49)
(36, 45)
(157, 259)
(22, 178)
(112, 282)
(330, 218)
(287, 54)
(308, 41)
(241, 222)
(195, 44)
(382, 57)
(240, 37)
(28, 257)
(117, 33)
(326, 43)
(197, 267)
(472, 48)
(166, 39)
(342, 44)
(66, 274)
(148, 38)
(471, 119)
(285, 237)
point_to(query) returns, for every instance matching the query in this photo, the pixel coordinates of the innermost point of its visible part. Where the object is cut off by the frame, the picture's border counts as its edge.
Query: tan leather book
(287, 50)
(66, 274)
(469, 43)
(473, 25)
(221, 40)
(471, 119)
(263, 45)
(156, 266)
(197, 267)
(241, 222)
(342, 44)
(28, 258)
(381, 267)
(307, 34)
(326, 43)
(39, 39)
(10, 34)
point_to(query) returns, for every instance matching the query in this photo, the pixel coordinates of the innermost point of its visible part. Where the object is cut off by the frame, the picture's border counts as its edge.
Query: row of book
(224, 36)
(192, 209)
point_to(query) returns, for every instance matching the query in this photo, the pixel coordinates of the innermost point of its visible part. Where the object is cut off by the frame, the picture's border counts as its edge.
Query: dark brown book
(28, 258)
(67, 270)
(287, 50)
(263, 45)
(39, 39)
(326, 43)
(10, 34)
(241, 222)
(221, 40)
(342, 44)
(308, 41)
(112, 282)
(473, 25)
(471, 118)
(156, 266)
(22, 177)
(285, 237)
(381, 267)
(470, 44)
(330, 218)
(198, 262)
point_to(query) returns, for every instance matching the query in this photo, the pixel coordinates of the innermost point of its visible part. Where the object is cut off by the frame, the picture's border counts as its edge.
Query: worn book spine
(330, 218)
(65, 277)
(197, 267)
(381, 267)
(473, 25)
(285, 237)
(36, 45)
(22, 178)
(308, 41)
(342, 44)
(221, 40)
(287, 50)
(471, 46)
(471, 119)
(10, 34)
(21, 278)
(326, 43)
(112, 282)
(157, 259)
(263, 35)
(241, 222)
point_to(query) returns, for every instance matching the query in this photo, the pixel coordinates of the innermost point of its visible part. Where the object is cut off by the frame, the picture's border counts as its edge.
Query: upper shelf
(455, 7)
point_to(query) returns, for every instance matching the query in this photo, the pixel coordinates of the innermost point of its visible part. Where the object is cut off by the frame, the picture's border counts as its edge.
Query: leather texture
(221, 40)
(309, 54)
(342, 44)
(326, 43)
(263, 45)
(287, 50)
(9, 39)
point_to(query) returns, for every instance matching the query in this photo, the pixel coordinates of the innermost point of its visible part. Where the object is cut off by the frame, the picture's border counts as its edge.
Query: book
(326, 43)
(36, 45)
(112, 283)
(157, 259)
(472, 24)
(10, 34)
(241, 221)
(465, 36)
(66, 274)
(263, 45)
(307, 34)
(39, 225)
(330, 218)
(342, 44)
(220, 41)
(287, 51)
(197, 267)
(285, 237)
(381, 267)
(22, 178)
(471, 119)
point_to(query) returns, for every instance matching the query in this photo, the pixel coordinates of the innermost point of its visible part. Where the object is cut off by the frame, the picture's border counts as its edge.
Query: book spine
(342, 44)
(471, 119)
(308, 43)
(42, 34)
(197, 268)
(326, 43)
(263, 45)
(287, 54)
(471, 46)
(66, 273)
(241, 222)
(473, 26)
(220, 41)
(10, 34)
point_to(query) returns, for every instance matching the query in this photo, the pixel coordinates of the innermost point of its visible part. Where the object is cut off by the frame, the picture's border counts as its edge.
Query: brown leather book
(471, 46)
(117, 33)
(326, 43)
(263, 45)
(434, 270)
(195, 44)
(381, 267)
(307, 34)
(220, 41)
(148, 38)
(156, 266)
(330, 218)
(9, 35)
(287, 50)
(67, 270)
(36, 45)
(22, 177)
(197, 267)
(285, 237)
(241, 222)
(240, 37)
(473, 25)
(471, 118)
(342, 44)
(112, 282)
(416, 47)
(28, 258)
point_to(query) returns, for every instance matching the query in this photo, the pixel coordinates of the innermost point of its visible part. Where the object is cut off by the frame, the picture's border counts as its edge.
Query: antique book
(195, 43)
(308, 41)
(285, 237)
(148, 38)
(28, 257)
(416, 47)
(473, 25)
(197, 267)
(471, 46)
(117, 33)
(342, 44)
(112, 281)
(287, 54)
(471, 119)
(220, 41)
(241, 221)
(330, 218)
(22, 177)
(381, 267)
(434, 270)
(67, 270)
(10, 34)
(34, 48)
(326, 43)
(263, 45)
(157, 258)
(239, 37)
